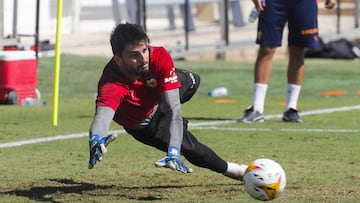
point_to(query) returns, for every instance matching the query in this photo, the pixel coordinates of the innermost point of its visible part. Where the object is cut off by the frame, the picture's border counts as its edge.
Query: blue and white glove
(173, 161)
(97, 148)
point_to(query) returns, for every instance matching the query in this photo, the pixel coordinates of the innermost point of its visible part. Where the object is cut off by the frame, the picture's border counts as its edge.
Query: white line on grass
(211, 125)
(48, 139)
(321, 130)
(269, 117)
(283, 129)
(231, 129)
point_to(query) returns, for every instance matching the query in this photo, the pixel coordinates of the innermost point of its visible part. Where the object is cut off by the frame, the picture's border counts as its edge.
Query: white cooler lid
(16, 55)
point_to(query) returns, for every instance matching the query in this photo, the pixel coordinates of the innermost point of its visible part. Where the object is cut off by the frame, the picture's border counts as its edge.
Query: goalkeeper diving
(141, 90)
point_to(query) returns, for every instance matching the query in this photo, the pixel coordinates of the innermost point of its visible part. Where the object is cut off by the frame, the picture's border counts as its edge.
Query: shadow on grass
(46, 193)
(69, 186)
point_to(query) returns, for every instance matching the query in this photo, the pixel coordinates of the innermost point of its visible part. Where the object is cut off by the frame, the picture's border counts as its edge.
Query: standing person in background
(141, 90)
(301, 18)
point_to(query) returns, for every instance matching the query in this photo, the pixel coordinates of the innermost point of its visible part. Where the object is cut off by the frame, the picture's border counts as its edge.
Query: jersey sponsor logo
(172, 72)
(171, 79)
(151, 82)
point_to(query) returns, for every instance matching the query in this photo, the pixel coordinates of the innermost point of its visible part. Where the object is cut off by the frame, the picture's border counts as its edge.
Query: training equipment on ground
(264, 179)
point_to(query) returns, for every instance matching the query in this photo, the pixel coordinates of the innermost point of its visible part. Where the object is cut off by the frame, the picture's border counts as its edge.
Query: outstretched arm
(98, 138)
(172, 112)
(102, 119)
(171, 107)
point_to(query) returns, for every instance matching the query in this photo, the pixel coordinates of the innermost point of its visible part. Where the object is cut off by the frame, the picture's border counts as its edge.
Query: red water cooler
(18, 76)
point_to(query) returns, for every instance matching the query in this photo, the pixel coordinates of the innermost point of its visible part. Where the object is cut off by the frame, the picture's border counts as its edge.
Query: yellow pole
(57, 65)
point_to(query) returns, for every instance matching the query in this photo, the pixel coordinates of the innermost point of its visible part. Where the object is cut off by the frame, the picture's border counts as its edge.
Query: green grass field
(320, 156)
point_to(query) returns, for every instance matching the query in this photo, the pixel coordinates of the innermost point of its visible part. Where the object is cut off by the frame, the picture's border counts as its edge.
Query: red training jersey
(134, 101)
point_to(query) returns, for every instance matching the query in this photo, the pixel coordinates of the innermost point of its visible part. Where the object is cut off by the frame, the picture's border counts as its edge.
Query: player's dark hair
(126, 34)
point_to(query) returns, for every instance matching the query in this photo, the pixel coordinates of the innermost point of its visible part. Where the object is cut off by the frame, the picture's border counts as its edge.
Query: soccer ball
(264, 179)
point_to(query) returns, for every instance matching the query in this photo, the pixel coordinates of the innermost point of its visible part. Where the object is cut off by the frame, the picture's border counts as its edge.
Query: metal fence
(101, 16)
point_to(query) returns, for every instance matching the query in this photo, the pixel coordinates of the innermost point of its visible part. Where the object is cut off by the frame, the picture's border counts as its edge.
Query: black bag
(341, 49)
(337, 49)
(190, 82)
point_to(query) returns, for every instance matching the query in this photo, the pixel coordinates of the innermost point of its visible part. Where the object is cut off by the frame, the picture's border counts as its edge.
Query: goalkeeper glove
(173, 161)
(97, 148)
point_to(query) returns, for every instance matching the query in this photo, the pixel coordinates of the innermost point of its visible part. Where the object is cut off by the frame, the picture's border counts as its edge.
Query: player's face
(134, 60)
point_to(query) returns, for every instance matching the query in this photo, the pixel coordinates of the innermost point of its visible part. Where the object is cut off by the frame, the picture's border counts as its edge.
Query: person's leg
(190, 21)
(263, 68)
(262, 72)
(303, 32)
(271, 23)
(171, 16)
(295, 75)
(203, 156)
(194, 151)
